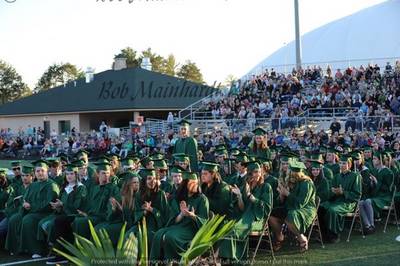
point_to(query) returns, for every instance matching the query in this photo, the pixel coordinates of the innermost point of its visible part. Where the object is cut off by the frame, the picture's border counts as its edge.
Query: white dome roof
(372, 33)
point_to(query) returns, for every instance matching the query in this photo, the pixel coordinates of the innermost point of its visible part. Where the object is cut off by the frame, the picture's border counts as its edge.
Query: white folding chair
(315, 224)
(389, 210)
(355, 215)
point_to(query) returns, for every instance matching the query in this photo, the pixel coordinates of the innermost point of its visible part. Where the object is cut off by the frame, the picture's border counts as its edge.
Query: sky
(223, 37)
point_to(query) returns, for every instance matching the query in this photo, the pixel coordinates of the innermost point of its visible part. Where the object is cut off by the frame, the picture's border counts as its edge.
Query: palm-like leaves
(84, 252)
(206, 237)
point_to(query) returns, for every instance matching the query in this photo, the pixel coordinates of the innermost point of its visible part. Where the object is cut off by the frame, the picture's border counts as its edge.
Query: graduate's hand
(147, 206)
(373, 179)
(82, 213)
(235, 190)
(339, 191)
(188, 213)
(26, 205)
(247, 189)
(283, 191)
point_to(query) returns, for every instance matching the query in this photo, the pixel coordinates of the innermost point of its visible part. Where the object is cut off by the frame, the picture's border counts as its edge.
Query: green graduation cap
(71, 168)
(113, 156)
(242, 158)
(127, 161)
(316, 157)
(27, 170)
(367, 148)
(377, 154)
(210, 166)
(315, 163)
(81, 153)
(345, 158)
(176, 169)
(3, 171)
(147, 172)
(259, 131)
(220, 151)
(16, 164)
(160, 164)
(129, 175)
(103, 165)
(79, 163)
(189, 176)
(332, 150)
(182, 158)
(184, 123)
(234, 151)
(40, 163)
(296, 166)
(146, 160)
(253, 165)
(157, 156)
(53, 162)
(356, 155)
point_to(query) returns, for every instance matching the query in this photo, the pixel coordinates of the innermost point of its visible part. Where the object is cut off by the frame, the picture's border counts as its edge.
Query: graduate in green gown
(367, 151)
(83, 155)
(322, 184)
(326, 172)
(176, 177)
(55, 171)
(254, 202)
(331, 161)
(72, 198)
(299, 206)
(36, 206)
(165, 183)
(14, 203)
(187, 144)
(239, 177)
(258, 147)
(5, 190)
(122, 212)
(381, 193)
(89, 181)
(271, 180)
(114, 160)
(151, 204)
(16, 182)
(189, 211)
(97, 201)
(218, 192)
(129, 165)
(344, 195)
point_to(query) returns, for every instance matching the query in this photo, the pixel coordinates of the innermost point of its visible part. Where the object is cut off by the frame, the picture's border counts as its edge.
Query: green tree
(230, 80)
(132, 59)
(157, 61)
(190, 71)
(11, 85)
(170, 65)
(58, 74)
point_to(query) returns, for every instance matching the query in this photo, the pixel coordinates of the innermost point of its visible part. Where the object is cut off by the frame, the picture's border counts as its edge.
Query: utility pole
(297, 29)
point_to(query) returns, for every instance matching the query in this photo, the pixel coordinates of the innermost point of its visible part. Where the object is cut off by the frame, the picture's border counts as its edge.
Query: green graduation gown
(96, 208)
(273, 182)
(220, 198)
(188, 146)
(175, 238)
(334, 167)
(115, 220)
(22, 227)
(4, 195)
(381, 194)
(154, 220)
(338, 205)
(72, 201)
(234, 245)
(300, 205)
(322, 186)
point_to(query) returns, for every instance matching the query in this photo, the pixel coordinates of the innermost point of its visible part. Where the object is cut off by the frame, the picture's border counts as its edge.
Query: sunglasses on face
(16, 169)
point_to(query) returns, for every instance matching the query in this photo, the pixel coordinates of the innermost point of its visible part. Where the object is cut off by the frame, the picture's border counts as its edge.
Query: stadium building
(117, 96)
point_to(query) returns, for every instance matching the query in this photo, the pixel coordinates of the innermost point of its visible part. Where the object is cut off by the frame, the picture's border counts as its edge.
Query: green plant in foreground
(85, 252)
(208, 234)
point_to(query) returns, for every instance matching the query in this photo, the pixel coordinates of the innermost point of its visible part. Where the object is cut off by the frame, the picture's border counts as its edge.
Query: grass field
(377, 249)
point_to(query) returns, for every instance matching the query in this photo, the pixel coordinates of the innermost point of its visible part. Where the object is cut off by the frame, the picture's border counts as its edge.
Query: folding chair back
(315, 223)
(389, 209)
(260, 234)
(355, 215)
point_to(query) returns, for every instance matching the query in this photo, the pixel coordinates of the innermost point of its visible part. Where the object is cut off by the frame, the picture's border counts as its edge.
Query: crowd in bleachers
(372, 91)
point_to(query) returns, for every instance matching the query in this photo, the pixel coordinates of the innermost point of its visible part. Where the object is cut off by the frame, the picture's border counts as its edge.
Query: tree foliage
(11, 85)
(191, 72)
(58, 74)
(168, 65)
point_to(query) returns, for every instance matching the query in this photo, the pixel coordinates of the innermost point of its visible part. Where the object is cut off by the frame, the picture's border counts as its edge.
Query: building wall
(22, 122)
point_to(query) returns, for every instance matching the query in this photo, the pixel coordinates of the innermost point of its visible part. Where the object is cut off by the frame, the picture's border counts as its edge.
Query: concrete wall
(22, 122)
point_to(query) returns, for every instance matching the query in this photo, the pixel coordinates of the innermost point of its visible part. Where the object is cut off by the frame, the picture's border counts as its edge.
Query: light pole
(297, 33)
